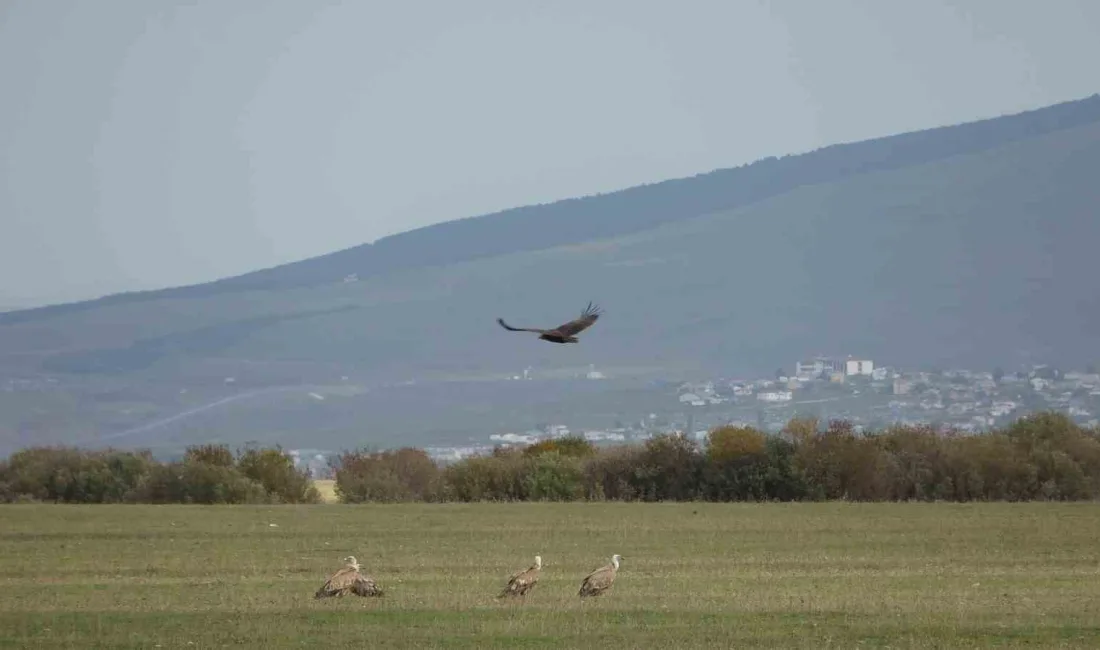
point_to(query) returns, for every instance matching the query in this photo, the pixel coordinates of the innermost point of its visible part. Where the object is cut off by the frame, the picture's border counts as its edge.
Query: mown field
(327, 488)
(694, 575)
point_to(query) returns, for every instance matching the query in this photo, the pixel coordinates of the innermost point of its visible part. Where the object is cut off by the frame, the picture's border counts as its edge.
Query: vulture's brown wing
(578, 325)
(365, 586)
(339, 582)
(521, 581)
(597, 581)
(525, 577)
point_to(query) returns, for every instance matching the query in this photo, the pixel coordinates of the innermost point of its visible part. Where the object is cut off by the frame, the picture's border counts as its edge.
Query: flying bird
(348, 580)
(601, 579)
(566, 333)
(523, 581)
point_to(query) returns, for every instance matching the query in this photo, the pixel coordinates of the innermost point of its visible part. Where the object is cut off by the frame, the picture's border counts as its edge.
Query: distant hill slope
(975, 259)
(972, 258)
(631, 210)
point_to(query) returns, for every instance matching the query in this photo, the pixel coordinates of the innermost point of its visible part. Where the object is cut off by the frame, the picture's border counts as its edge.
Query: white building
(775, 396)
(858, 367)
(693, 399)
(742, 391)
(513, 438)
(817, 366)
(557, 431)
(596, 436)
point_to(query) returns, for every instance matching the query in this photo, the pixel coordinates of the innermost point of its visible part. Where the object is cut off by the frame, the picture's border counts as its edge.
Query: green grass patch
(694, 575)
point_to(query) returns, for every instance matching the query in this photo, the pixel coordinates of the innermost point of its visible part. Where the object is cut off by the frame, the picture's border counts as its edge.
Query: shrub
(918, 470)
(553, 476)
(987, 468)
(498, 477)
(1042, 456)
(388, 476)
(275, 471)
(743, 464)
(838, 464)
(218, 455)
(670, 469)
(611, 474)
(198, 482)
(70, 475)
(572, 445)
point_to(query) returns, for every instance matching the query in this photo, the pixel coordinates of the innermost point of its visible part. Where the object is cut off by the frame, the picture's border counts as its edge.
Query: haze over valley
(297, 223)
(969, 246)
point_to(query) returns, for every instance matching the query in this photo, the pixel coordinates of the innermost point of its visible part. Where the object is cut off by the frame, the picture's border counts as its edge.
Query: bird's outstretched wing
(587, 319)
(518, 329)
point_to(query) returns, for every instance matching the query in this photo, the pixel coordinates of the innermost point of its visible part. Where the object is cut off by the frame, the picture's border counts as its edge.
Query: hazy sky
(146, 143)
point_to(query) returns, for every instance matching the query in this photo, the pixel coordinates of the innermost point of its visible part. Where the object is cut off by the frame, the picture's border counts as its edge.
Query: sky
(154, 143)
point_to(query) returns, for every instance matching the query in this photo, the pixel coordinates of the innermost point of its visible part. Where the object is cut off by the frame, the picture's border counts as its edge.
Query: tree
(998, 374)
(730, 443)
(735, 465)
(669, 470)
(779, 374)
(217, 455)
(274, 469)
(405, 474)
(572, 445)
(800, 429)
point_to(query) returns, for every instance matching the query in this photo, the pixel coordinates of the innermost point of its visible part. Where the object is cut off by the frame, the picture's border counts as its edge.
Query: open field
(327, 488)
(694, 575)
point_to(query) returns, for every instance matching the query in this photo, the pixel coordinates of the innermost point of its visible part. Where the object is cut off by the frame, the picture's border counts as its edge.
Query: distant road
(157, 424)
(824, 399)
(150, 426)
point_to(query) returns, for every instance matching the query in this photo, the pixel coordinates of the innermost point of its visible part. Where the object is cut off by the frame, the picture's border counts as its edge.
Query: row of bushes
(207, 474)
(1040, 457)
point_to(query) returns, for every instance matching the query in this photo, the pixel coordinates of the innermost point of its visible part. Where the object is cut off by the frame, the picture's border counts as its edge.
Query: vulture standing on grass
(601, 579)
(566, 333)
(523, 581)
(348, 580)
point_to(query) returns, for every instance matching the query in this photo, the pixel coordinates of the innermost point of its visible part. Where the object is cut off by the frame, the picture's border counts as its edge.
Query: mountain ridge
(583, 218)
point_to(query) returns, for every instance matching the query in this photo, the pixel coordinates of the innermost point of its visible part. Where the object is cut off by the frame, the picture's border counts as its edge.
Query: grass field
(693, 575)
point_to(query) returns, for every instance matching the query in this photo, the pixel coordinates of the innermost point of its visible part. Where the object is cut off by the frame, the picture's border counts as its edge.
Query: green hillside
(976, 259)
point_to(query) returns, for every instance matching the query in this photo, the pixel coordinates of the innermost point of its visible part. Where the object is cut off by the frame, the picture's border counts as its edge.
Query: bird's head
(615, 559)
(538, 561)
